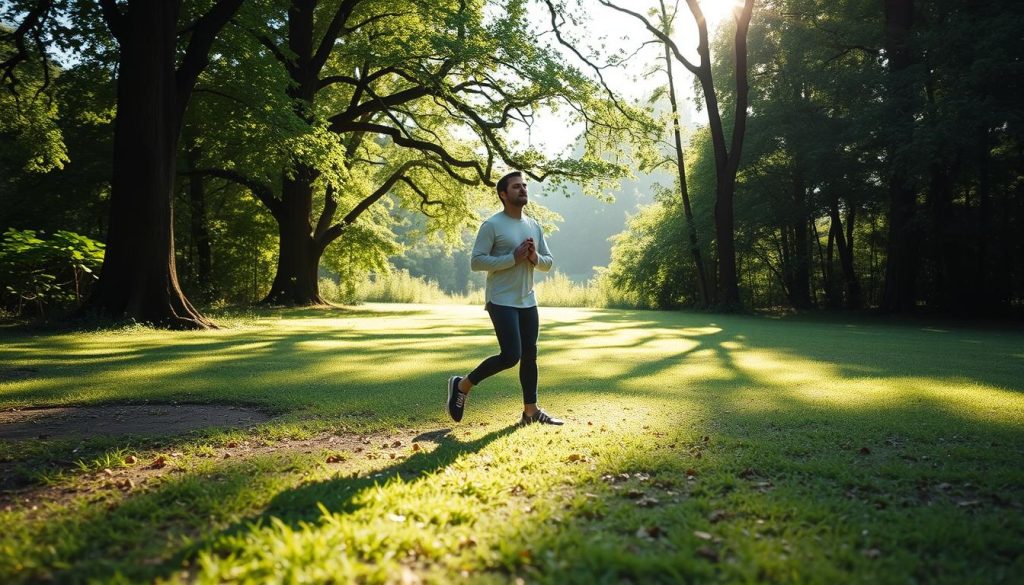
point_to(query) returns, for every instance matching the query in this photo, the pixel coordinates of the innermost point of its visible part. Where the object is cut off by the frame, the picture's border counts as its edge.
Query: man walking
(509, 246)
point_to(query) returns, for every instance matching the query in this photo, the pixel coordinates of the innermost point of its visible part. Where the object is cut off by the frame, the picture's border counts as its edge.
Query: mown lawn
(697, 447)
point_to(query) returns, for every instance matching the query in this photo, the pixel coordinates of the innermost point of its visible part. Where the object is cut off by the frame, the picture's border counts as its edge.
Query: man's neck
(514, 212)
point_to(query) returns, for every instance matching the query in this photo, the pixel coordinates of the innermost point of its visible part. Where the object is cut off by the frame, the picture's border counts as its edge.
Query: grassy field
(699, 448)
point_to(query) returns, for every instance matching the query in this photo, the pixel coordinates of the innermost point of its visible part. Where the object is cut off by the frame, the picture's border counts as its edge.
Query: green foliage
(243, 247)
(650, 258)
(29, 127)
(820, 153)
(46, 274)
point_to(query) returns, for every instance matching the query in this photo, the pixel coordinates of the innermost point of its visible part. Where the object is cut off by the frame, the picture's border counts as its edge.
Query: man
(509, 246)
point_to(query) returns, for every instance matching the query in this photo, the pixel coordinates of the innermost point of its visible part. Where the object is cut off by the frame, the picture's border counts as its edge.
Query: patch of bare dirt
(119, 420)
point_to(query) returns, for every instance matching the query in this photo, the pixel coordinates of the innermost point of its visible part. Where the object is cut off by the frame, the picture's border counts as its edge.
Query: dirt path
(343, 450)
(118, 420)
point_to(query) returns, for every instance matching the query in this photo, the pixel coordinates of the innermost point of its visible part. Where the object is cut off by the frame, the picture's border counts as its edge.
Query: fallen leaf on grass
(415, 446)
(702, 535)
(650, 532)
(576, 457)
(131, 460)
(126, 484)
(396, 444)
(467, 542)
(708, 553)
(159, 463)
(335, 458)
(108, 472)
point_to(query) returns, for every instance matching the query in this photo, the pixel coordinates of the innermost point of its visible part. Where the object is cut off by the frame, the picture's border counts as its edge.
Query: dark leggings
(517, 331)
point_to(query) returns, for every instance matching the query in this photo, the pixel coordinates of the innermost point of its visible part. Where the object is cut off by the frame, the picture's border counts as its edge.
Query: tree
(696, 253)
(138, 279)
(387, 96)
(902, 251)
(727, 157)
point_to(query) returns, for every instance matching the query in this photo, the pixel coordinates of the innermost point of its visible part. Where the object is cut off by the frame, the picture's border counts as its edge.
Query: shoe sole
(448, 403)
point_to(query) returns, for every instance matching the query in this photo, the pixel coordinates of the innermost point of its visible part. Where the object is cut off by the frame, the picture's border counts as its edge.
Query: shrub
(53, 273)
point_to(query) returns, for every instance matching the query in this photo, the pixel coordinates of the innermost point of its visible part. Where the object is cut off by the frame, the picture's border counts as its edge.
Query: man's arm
(482, 261)
(541, 256)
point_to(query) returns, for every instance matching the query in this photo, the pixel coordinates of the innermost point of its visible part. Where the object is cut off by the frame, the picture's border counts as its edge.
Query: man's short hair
(503, 182)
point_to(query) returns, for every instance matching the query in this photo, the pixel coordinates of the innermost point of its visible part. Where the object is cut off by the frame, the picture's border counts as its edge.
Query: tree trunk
(296, 282)
(299, 253)
(844, 245)
(902, 247)
(691, 227)
(983, 297)
(728, 281)
(801, 270)
(138, 279)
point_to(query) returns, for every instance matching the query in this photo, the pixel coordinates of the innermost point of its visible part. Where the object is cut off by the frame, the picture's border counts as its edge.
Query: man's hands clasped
(526, 251)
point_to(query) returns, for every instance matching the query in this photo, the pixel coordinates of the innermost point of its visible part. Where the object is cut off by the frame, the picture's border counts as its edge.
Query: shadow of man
(338, 494)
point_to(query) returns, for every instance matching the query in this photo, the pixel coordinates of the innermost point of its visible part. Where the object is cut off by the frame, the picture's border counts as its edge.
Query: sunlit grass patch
(697, 448)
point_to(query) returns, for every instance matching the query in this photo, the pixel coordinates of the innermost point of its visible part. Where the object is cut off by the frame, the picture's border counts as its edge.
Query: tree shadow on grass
(176, 508)
(852, 348)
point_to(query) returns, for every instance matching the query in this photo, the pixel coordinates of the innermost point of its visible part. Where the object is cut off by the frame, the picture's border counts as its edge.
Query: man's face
(515, 194)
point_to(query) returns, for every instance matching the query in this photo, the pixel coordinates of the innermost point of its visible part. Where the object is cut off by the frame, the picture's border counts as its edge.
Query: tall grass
(556, 290)
(397, 286)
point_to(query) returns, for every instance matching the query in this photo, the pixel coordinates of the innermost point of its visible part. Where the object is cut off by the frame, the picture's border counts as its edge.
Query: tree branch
(114, 18)
(33, 24)
(425, 199)
(662, 36)
(335, 231)
(331, 35)
(271, 46)
(197, 55)
(742, 85)
(261, 191)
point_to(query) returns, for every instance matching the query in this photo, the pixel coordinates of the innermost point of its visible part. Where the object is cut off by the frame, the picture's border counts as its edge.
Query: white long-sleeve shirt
(508, 283)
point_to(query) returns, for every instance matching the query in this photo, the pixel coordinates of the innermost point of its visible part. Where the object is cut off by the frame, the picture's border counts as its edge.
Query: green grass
(698, 448)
